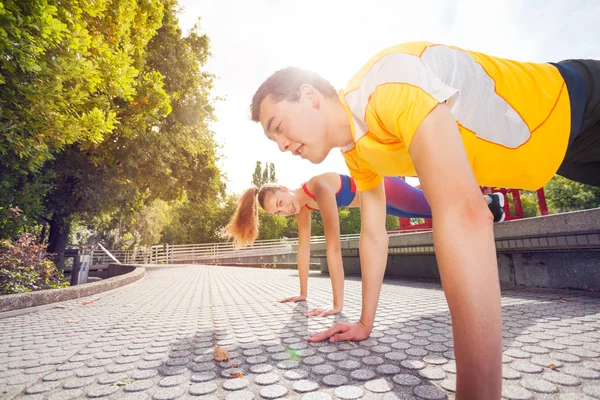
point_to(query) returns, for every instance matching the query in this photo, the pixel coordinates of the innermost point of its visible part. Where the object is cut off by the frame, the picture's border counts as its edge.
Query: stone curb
(19, 301)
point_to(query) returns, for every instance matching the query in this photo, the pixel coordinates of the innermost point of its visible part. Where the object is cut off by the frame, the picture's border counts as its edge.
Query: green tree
(257, 176)
(564, 195)
(272, 177)
(161, 148)
(264, 175)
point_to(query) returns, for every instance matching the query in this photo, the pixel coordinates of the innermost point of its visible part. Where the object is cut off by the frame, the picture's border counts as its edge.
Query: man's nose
(284, 145)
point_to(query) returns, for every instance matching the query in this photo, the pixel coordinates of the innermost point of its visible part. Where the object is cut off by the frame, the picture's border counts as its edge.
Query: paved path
(155, 339)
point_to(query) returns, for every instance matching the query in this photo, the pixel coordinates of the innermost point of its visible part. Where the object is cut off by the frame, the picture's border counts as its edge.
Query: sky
(251, 39)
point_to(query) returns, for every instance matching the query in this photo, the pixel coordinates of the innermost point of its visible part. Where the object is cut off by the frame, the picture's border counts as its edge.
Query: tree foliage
(105, 109)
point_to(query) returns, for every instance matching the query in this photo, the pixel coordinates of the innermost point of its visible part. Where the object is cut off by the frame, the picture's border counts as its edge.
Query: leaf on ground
(552, 367)
(236, 374)
(234, 365)
(123, 382)
(221, 354)
(87, 302)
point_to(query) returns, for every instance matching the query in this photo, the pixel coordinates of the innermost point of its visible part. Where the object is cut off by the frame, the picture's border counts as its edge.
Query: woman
(326, 193)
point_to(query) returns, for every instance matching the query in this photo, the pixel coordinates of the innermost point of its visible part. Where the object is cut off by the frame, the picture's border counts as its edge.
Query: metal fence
(168, 254)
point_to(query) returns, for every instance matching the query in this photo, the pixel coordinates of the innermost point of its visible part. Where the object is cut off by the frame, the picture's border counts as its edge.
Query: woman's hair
(243, 226)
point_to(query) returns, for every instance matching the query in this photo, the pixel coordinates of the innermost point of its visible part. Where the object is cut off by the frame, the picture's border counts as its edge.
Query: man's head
(292, 107)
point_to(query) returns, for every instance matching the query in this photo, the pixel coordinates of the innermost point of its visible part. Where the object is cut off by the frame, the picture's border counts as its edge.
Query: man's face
(299, 127)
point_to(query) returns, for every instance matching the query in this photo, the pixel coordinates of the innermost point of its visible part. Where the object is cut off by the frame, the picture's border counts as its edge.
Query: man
(456, 119)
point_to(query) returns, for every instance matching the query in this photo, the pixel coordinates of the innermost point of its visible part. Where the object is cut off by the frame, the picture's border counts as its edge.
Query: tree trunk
(60, 228)
(42, 238)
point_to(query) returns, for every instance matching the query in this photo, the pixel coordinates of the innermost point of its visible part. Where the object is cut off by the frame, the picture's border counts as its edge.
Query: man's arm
(373, 260)
(465, 251)
(325, 196)
(303, 257)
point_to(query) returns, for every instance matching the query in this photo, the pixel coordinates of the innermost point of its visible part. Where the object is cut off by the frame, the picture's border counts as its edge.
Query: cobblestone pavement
(155, 339)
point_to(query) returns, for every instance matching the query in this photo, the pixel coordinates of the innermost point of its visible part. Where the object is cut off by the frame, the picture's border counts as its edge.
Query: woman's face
(282, 202)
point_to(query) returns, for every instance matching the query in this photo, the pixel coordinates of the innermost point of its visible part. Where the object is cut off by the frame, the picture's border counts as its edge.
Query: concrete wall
(557, 251)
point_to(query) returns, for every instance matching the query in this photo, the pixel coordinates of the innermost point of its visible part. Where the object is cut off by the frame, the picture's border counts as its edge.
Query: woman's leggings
(404, 200)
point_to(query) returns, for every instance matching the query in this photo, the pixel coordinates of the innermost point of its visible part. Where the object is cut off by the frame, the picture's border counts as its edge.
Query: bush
(25, 266)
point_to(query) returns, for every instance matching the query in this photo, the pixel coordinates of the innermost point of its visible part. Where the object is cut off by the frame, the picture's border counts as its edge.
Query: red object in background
(406, 226)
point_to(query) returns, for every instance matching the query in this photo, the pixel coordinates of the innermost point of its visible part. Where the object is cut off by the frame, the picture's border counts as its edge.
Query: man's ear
(310, 94)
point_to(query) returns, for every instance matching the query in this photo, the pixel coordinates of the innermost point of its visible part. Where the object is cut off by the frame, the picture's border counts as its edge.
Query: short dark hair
(285, 85)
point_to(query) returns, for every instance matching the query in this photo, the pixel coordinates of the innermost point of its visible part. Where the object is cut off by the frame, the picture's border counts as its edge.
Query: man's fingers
(341, 337)
(317, 337)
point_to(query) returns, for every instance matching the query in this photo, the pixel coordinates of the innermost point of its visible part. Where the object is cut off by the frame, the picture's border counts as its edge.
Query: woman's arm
(324, 191)
(303, 257)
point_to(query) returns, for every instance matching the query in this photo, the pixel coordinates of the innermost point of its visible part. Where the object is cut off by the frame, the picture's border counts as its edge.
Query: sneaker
(497, 206)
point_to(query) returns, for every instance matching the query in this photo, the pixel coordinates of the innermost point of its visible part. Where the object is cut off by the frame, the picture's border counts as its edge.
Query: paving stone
(266, 379)
(295, 374)
(324, 369)
(525, 366)
(240, 395)
(77, 383)
(432, 373)
(561, 379)
(514, 392)
(58, 375)
(592, 391)
(261, 368)
(449, 383)
(316, 396)
(373, 360)
(143, 374)
(581, 372)
(305, 386)
(595, 365)
(42, 387)
(416, 352)
(517, 353)
(429, 393)
(509, 373)
(273, 392)
(538, 385)
(348, 392)
(380, 385)
(101, 391)
(435, 360)
(172, 381)
(107, 379)
(138, 386)
(362, 374)
(387, 369)
(203, 377)
(406, 380)
(413, 364)
(313, 360)
(172, 392)
(66, 395)
(349, 365)
(236, 384)
(334, 380)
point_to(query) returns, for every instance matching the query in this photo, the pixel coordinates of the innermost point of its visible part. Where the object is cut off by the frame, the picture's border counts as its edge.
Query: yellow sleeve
(364, 176)
(399, 108)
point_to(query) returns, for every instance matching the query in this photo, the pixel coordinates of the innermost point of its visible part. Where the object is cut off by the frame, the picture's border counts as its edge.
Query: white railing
(168, 254)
